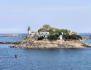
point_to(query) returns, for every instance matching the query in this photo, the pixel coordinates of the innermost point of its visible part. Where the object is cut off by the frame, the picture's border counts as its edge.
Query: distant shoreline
(12, 35)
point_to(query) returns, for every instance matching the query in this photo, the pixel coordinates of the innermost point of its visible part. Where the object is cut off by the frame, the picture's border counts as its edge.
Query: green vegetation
(40, 38)
(72, 37)
(66, 36)
(55, 33)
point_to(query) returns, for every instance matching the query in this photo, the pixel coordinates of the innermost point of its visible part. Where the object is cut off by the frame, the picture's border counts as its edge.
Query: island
(49, 37)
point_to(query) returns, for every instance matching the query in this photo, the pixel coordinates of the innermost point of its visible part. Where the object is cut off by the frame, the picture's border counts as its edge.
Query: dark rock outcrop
(10, 42)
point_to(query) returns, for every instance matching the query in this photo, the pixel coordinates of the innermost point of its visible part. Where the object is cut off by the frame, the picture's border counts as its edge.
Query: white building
(44, 34)
(37, 34)
(32, 34)
(61, 36)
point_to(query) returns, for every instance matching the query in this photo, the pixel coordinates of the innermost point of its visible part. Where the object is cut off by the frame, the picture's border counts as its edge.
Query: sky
(17, 15)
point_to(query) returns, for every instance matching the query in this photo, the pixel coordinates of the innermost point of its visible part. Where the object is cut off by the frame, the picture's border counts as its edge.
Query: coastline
(46, 44)
(11, 35)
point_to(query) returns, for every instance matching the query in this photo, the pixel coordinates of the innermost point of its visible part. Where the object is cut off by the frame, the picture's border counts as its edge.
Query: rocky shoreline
(45, 44)
(10, 42)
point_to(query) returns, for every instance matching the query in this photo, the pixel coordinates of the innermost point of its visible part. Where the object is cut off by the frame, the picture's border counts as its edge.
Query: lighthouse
(29, 31)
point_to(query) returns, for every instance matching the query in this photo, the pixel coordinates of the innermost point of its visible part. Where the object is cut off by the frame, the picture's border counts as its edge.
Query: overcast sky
(17, 15)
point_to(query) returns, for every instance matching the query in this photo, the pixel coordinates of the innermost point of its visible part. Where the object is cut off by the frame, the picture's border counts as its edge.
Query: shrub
(66, 36)
(40, 38)
(72, 37)
(53, 37)
(55, 33)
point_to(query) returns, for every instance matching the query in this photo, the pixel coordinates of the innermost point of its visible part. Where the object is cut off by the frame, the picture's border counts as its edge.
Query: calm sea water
(10, 39)
(58, 59)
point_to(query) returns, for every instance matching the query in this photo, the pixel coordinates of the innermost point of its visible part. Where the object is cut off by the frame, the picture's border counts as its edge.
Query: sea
(49, 59)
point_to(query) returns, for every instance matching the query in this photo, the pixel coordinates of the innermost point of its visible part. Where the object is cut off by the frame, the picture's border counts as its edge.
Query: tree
(55, 33)
(46, 26)
(72, 37)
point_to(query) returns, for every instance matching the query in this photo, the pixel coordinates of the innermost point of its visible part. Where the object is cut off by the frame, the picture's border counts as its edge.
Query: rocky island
(49, 37)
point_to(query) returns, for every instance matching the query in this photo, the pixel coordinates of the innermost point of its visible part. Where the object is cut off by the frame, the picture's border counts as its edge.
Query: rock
(10, 42)
(51, 44)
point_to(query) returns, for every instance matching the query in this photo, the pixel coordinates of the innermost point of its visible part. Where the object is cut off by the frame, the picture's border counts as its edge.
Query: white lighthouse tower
(29, 30)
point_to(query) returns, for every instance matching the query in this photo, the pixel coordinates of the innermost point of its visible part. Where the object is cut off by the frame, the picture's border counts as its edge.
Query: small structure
(44, 34)
(61, 36)
(16, 55)
(32, 34)
(29, 31)
(36, 35)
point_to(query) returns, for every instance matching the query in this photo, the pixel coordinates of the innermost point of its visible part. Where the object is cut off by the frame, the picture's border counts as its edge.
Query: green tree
(55, 33)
